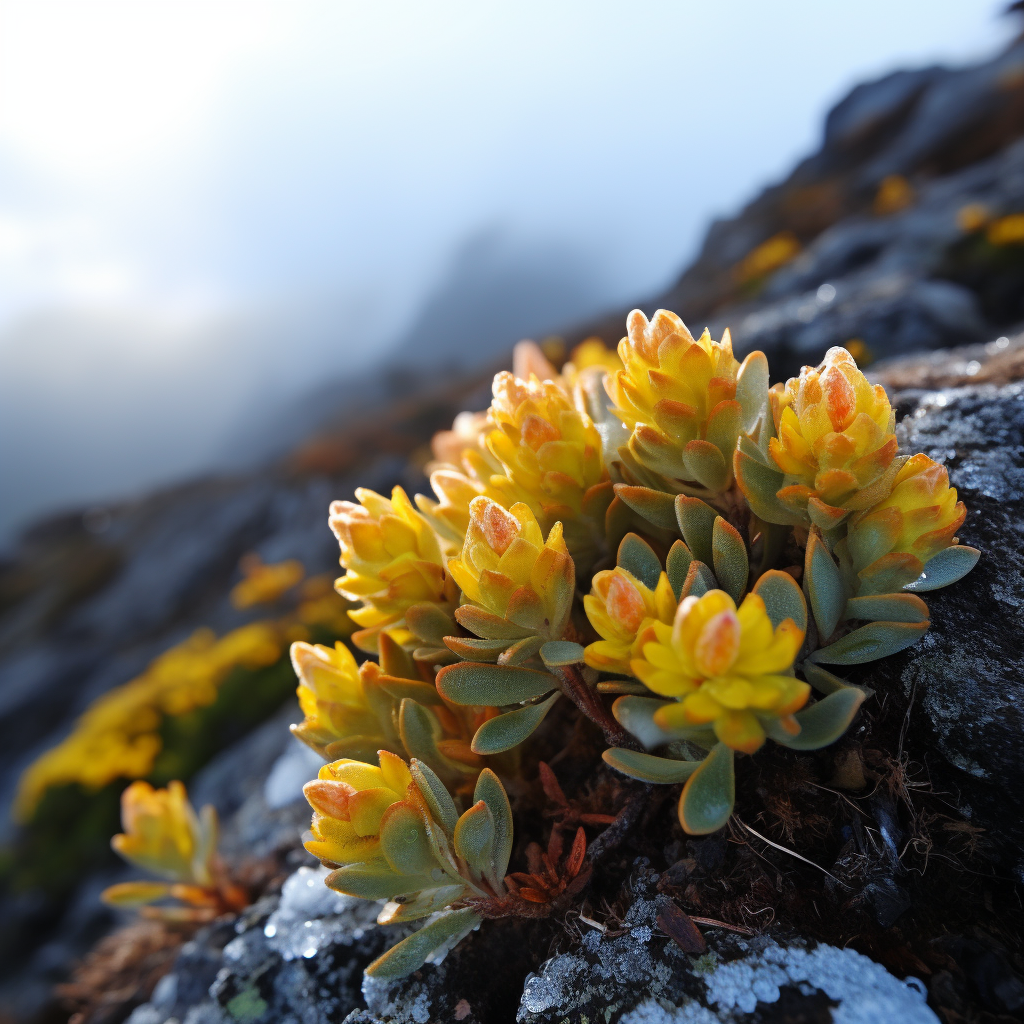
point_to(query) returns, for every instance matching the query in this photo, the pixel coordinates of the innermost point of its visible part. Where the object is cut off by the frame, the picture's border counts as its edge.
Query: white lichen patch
(864, 990)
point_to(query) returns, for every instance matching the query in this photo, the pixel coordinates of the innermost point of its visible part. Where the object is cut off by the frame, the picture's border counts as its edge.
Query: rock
(963, 678)
(904, 277)
(296, 958)
(641, 977)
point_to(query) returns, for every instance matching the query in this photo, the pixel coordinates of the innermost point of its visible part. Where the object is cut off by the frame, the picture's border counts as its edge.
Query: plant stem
(575, 688)
(614, 835)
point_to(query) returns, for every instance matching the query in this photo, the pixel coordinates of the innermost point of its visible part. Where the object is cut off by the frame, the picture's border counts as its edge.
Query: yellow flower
(118, 734)
(510, 570)
(349, 799)
(393, 560)
(677, 396)
(264, 584)
(894, 194)
(768, 257)
(551, 455)
(590, 354)
(726, 667)
(920, 517)
(620, 607)
(468, 431)
(332, 697)
(1007, 230)
(836, 443)
(163, 834)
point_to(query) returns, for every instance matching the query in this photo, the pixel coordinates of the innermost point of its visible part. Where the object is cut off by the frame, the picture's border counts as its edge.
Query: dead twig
(793, 853)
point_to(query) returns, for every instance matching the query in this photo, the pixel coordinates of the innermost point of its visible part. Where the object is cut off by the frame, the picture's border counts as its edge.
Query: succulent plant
(833, 449)
(393, 560)
(684, 403)
(164, 835)
(758, 537)
(393, 832)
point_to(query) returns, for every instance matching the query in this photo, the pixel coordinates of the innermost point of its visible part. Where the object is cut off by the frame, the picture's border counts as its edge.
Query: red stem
(575, 688)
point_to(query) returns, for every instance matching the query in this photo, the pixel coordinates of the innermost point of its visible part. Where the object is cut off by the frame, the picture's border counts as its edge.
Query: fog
(210, 210)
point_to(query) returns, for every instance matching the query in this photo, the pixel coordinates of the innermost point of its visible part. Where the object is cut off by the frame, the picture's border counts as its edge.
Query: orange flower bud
(620, 607)
(726, 667)
(836, 443)
(393, 558)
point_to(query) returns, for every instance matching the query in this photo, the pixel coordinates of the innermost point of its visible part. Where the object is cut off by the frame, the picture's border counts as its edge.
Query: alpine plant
(656, 536)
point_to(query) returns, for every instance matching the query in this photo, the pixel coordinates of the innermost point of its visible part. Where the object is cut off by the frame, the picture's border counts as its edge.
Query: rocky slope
(880, 235)
(906, 911)
(913, 824)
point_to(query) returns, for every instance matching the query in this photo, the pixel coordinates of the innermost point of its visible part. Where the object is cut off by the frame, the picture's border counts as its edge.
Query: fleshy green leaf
(824, 681)
(873, 536)
(474, 837)
(889, 574)
(510, 729)
(824, 722)
(521, 651)
(400, 689)
(761, 485)
(488, 625)
(135, 894)
(948, 566)
(752, 389)
(429, 623)
(636, 716)
(824, 585)
(783, 598)
(677, 565)
(526, 609)
(477, 650)
(492, 792)
(696, 523)
(637, 557)
(435, 656)
(376, 881)
(870, 642)
(423, 904)
(420, 731)
(436, 795)
(404, 842)
(492, 685)
(561, 652)
(888, 607)
(413, 952)
(395, 660)
(730, 554)
(657, 507)
(722, 431)
(706, 464)
(709, 793)
(699, 580)
(649, 768)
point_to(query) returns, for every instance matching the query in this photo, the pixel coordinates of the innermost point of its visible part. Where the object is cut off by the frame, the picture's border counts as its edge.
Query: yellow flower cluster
(508, 568)
(620, 607)
(118, 736)
(836, 440)
(726, 666)
(164, 835)
(393, 560)
(349, 799)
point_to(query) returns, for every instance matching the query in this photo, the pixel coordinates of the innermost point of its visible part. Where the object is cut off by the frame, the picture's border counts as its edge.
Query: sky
(208, 209)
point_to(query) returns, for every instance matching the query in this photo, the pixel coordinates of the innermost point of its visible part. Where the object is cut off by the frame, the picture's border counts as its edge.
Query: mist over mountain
(96, 406)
